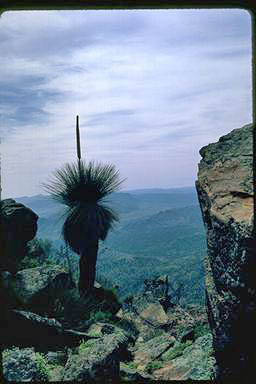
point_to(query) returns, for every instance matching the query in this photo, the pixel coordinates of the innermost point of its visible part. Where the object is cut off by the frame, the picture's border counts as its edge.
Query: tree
(83, 188)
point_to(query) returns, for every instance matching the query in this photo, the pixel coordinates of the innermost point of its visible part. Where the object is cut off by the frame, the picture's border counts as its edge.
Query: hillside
(160, 232)
(170, 242)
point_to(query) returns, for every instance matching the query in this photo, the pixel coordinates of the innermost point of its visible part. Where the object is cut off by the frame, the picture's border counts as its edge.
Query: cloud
(150, 87)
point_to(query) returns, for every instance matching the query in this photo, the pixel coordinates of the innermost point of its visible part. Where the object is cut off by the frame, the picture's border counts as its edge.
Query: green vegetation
(43, 367)
(153, 366)
(6, 352)
(38, 253)
(176, 351)
(85, 346)
(100, 316)
(131, 365)
(201, 330)
(160, 232)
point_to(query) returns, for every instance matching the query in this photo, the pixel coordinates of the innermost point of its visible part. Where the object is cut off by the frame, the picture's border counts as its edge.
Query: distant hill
(42, 205)
(45, 206)
(170, 242)
(162, 190)
(148, 201)
(163, 230)
(160, 232)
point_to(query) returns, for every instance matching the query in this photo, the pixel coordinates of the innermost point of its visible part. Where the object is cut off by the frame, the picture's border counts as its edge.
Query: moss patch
(176, 351)
(154, 365)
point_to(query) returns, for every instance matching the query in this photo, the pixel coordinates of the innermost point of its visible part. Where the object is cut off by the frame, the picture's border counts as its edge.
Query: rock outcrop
(195, 363)
(97, 361)
(153, 348)
(18, 225)
(35, 285)
(21, 365)
(225, 192)
(27, 329)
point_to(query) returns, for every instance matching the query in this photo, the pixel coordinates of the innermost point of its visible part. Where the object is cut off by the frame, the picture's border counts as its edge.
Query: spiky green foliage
(84, 189)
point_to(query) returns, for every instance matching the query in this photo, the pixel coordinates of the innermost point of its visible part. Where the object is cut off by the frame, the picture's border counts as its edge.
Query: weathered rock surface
(20, 365)
(130, 374)
(154, 313)
(33, 285)
(153, 349)
(18, 225)
(196, 363)
(148, 308)
(225, 192)
(101, 329)
(99, 362)
(56, 357)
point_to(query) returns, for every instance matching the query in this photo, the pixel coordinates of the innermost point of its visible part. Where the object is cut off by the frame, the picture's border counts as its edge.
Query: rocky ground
(143, 339)
(49, 333)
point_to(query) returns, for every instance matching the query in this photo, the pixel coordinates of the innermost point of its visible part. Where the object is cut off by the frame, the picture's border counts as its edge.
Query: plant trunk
(88, 259)
(70, 269)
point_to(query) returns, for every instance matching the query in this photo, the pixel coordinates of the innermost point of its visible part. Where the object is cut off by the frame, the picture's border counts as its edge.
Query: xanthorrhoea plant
(84, 188)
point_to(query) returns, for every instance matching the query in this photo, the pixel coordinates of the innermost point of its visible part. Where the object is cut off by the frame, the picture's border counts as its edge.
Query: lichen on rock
(34, 284)
(22, 365)
(225, 192)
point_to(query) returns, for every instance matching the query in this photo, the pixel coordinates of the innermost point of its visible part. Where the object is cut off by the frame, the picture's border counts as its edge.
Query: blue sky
(151, 88)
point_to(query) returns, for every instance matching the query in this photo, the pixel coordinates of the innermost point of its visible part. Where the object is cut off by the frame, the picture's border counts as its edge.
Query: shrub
(85, 346)
(176, 351)
(38, 253)
(100, 316)
(131, 365)
(6, 353)
(153, 366)
(43, 367)
(201, 330)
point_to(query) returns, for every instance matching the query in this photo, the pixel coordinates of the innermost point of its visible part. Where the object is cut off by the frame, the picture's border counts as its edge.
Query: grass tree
(84, 188)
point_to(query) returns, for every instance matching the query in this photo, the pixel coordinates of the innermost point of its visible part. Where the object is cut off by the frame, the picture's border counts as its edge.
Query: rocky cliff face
(225, 192)
(18, 225)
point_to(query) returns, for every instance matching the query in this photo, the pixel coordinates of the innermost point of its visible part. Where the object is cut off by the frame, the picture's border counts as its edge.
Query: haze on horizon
(151, 88)
(139, 190)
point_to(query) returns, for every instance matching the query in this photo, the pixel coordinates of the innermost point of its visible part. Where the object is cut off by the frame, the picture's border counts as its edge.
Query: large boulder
(195, 363)
(18, 225)
(22, 365)
(98, 361)
(154, 314)
(225, 192)
(149, 309)
(35, 285)
(153, 349)
(26, 329)
(101, 329)
(128, 373)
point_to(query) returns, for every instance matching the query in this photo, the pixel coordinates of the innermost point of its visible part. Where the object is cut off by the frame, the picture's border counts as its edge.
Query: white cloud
(150, 87)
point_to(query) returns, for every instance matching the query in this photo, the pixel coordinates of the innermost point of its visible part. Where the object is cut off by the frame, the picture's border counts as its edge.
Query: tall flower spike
(78, 147)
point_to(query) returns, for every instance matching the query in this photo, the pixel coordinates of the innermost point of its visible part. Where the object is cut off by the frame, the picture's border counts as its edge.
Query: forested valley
(160, 232)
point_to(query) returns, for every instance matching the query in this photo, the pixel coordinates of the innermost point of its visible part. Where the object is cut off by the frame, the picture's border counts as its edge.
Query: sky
(151, 87)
